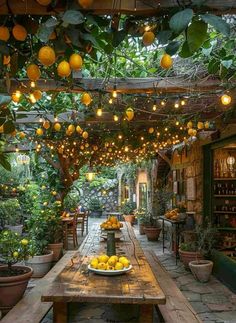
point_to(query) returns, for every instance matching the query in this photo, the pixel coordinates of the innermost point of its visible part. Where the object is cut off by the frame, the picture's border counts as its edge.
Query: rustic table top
(76, 284)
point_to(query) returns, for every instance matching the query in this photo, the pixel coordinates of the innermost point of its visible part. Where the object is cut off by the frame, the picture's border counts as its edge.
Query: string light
(114, 92)
(18, 94)
(182, 102)
(116, 118)
(32, 98)
(32, 84)
(55, 118)
(226, 99)
(99, 112)
(110, 101)
(163, 103)
(176, 105)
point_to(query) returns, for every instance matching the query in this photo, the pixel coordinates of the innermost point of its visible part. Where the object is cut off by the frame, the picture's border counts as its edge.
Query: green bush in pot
(128, 210)
(11, 215)
(13, 278)
(152, 226)
(95, 207)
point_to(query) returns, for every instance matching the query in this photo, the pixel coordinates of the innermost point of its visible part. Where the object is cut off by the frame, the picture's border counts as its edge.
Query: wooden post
(60, 312)
(146, 313)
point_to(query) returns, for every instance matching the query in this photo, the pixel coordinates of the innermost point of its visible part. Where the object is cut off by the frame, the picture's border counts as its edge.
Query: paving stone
(214, 298)
(199, 307)
(221, 307)
(192, 297)
(186, 279)
(197, 287)
(207, 316)
(227, 317)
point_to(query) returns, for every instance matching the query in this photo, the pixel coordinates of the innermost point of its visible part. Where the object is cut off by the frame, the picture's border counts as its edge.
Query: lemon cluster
(104, 262)
(173, 214)
(111, 223)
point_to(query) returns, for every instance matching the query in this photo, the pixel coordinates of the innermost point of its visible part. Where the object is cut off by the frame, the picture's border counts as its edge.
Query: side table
(176, 225)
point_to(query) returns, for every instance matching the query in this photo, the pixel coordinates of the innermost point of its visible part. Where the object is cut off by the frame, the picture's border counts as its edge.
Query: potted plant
(54, 232)
(38, 225)
(152, 227)
(140, 215)
(11, 216)
(95, 207)
(188, 252)
(182, 210)
(128, 211)
(13, 278)
(206, 240)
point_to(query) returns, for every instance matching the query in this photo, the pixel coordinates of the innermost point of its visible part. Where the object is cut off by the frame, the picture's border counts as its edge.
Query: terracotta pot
(187, 256)
(12, 288)
(129, 218)
(57, 250)
(40, 264)
(201, 269)
(152, 233)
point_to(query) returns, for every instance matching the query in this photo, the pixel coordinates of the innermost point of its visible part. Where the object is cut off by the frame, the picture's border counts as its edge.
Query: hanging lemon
(189, 125)
(190, 132)
(85, 134)
(68, 133)
(207, 125)
(39, 132)
(200, 125)
(44, 2)
(46, 55)
(46, 124)
(71, 128)
(57, 126)
(85, 3)
(75, 62)
(19, 32)
(63, 69)
(33, 72)
(166, 61)
(6, 59)
(86, 98)
(22, 135)
(148, 38)
(151, 130)
(4, 33)
(129, 114)
(79, 130)
(15, 97)
(37, 94)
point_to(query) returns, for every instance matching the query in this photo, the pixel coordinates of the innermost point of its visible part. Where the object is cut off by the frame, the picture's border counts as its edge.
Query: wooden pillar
(60, 312)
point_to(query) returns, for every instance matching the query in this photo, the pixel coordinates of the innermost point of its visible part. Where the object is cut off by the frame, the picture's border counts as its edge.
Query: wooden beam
(108, 7)
(124, 85)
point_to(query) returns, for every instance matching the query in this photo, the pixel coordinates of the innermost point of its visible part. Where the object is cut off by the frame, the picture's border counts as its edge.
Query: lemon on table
(102, 266)
(119, 266)
(112, 261)
(109, 267)
(125, 262)
(94, 263)
(103, 258)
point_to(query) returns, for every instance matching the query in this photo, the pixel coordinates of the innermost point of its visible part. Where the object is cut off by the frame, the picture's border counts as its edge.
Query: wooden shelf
(226, 229)
(225, 212)
(225, 179)
(225, 195)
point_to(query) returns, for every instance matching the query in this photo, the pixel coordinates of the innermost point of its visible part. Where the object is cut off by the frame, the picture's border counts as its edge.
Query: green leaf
(181, 20)
(163, 36)
(172, 48)
(44, 33)
(90, 38)
(118, 37)
(8, 127)
(51, 22)
(4, 99)
(196, 35)
(227, 63)
(73, 17)
(213, 66)
(217, 23)
(4, 162)
(185, 52)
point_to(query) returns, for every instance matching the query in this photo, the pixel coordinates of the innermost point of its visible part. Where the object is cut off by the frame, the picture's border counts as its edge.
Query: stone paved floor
(212, 301)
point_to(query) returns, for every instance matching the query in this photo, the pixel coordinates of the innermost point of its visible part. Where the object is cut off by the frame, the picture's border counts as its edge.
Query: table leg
(59, 312)
(146, 313)
(163, 235)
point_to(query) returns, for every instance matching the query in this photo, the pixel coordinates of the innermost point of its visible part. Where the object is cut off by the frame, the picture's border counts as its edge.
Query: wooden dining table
(77, 284)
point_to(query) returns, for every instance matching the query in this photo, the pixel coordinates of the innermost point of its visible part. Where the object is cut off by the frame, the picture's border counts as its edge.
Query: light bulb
(32, 98)
(55, 118)
(110, 101)
(32, 84)
(176, 105)
(116, 118)
(182, 102)
(99, 112)
(114, 92)
(226, 99)
(18, 94)
(163, 103)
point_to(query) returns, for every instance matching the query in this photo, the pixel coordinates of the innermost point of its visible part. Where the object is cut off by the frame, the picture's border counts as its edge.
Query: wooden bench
(177, 308)
(30, 309)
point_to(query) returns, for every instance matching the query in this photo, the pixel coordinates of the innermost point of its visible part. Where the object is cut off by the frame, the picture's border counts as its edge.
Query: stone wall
(107, 195)
(190, 163)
